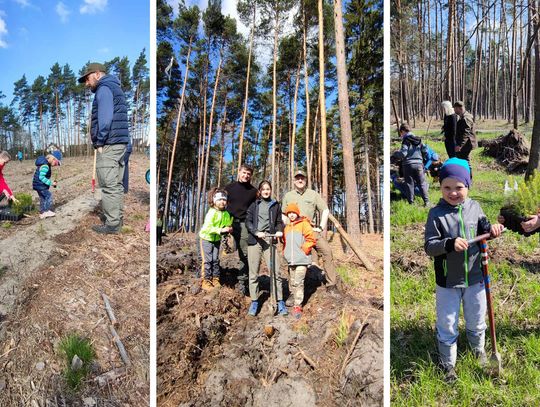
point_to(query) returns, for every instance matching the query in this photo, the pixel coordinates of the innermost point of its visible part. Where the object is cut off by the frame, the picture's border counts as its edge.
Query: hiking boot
(106, 230)
(253, 308)
(481, 356)
(215, 282)
(450, 375)
(297, 312)
(282, 309)
(290, 301)
(207, 285)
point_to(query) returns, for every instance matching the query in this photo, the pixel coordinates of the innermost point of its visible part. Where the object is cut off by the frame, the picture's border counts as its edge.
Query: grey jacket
(445, 223)
(412, 150)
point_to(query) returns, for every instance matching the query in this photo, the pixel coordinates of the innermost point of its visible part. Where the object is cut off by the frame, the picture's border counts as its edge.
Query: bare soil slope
(53, 272)
(211, 353)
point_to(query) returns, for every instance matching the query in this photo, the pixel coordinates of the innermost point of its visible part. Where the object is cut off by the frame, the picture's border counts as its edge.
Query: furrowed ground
(515, 273)
(52, 274)
(211, 353)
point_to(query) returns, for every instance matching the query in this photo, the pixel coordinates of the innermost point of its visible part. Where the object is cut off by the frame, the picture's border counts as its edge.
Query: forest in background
(55, 109)
(220, 103)
(485, 53)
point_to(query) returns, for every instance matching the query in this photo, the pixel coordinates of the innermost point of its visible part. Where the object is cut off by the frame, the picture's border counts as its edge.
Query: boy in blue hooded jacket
(42, 182)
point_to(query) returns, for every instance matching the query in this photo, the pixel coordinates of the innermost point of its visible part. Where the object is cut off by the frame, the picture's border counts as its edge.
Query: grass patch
(7, 225)
(415, 377)
(24, 205)
(349, 275)
(343, 329)
(73, 345)
(126, 230)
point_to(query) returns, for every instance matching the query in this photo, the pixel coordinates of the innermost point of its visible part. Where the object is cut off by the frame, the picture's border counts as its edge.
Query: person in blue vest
(42, 182)
(109, 131)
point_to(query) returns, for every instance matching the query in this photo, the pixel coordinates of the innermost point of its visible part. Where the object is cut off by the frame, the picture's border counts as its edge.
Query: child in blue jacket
(42, 182)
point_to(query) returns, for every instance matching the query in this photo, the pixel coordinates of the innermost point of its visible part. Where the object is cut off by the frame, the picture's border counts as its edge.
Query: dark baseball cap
(91, 68)
(458, 103)
(299, 172)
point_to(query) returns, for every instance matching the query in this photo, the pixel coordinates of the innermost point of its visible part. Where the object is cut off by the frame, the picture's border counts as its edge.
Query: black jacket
(252, 218)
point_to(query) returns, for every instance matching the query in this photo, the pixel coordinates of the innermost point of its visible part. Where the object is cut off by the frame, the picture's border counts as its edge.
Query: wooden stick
(120, 346)
(363, 258)
(109, 376)
(353, 344)
(109, 310)
(310, 361)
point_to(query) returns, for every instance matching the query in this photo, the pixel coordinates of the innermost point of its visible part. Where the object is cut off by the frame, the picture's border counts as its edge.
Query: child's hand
(496, 230)
(55, 183)
(226, 229)
(13, 199)
(460, 244)
(279, 234)
(260, 235)
(531, 224)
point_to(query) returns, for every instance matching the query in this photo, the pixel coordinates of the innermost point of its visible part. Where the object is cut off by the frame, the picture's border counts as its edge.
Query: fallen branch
(309, 361)
(363, 258)
(109, 310)
(353, 344)
(120, 346)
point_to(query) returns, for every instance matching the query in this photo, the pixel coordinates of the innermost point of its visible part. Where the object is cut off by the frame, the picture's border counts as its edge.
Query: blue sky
(34, 34)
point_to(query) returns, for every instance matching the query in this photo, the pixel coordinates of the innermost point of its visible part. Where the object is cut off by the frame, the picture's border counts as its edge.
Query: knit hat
(458, 169)
(292, 207)
(58, 155)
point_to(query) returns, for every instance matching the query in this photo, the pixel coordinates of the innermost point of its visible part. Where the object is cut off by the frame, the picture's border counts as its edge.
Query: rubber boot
(253, 308)
(282, 309)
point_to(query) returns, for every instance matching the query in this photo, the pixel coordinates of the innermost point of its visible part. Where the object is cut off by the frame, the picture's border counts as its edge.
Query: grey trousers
(210, 256)
(448, 304)
(254, 257)
(110, 174)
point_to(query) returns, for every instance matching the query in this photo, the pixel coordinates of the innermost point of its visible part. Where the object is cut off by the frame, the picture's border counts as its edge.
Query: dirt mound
(510, 150)
(210, 353)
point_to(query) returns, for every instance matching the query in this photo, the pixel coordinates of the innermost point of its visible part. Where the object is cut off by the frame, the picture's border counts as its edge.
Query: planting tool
(273, 283)
(94, 172)
(495, 359)
(485, 236)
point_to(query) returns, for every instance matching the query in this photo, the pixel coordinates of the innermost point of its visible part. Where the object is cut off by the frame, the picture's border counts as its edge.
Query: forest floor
(211, 353)
(514, 267)
(52, 274)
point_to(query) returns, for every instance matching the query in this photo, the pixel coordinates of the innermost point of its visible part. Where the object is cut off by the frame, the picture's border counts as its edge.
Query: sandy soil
(53, 273)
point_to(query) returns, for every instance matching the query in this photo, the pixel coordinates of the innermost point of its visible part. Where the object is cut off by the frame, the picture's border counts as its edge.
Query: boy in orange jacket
(298, 239)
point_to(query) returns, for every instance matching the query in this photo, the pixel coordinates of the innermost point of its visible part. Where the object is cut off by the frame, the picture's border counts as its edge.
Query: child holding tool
(458, 272)
(299, 239)
(217, 222)
(263, 217)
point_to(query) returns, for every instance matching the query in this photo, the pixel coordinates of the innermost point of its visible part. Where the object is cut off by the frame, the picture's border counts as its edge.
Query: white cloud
(24, 3)
(3, 30)
(93, 6)
(104, 50)
(62, 11)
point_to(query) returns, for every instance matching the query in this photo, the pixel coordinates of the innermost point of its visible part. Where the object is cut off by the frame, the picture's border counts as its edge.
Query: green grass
(70, 346)
(7, 225)
(349, 275)
(415, 378)
(342, 330)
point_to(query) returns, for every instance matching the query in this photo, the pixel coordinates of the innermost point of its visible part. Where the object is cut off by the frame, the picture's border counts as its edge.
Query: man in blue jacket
(109, 131)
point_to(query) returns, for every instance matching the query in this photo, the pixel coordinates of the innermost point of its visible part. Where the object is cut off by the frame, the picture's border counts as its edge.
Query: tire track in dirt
(31, 247)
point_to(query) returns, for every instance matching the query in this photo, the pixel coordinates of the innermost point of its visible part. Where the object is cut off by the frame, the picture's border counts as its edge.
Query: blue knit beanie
(458, 169)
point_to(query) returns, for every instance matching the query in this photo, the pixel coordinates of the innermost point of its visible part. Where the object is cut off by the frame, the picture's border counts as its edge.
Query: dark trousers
(450, 147)
(414, 174)
(210, 257)
(240, 234)
(125, 180)
(464, 154)
(159, 234)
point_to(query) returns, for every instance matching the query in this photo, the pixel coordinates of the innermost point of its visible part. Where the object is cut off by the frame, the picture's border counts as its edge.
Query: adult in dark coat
(465, 133)
(449, 128)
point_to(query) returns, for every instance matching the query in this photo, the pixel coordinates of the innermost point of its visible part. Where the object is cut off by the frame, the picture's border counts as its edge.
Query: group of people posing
(256, 220)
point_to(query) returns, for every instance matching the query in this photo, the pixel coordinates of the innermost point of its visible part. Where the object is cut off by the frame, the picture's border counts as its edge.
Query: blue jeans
(45, 200)
(448, 302)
